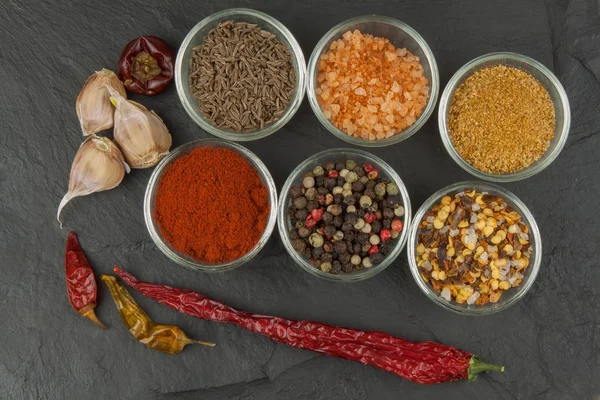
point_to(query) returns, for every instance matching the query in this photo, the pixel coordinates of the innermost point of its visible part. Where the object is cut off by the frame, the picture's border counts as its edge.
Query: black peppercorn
(362, 238)
(336, 267)
(358, 186)
(328, 247)
(327, 217)
(326, 257)
(299, 245)
(359, 171)
(311, 205)
(319, 180)
(338, 221)
(294, 234)
(376, 258)
(386, 224)
(392, 201)
(385, 248)
(370, 184)
(357, 197)
(388, 213)
(310, 194)
(306, 253)
(317, 252)
(322, 190)
(356, 248)
(344, 258)
(337, 198)
(329, 166)
(361, 213)
(330, 183)
(347, 228)
(301, 214)
(304, 232)
(349, 200)
(375, 226)
(351, 218)
(296, 191)
(347, 267)
(300, 202)
(370, 193)
(350, 236)
(340, 165)
(330, 230)
(340, 181)
(340, 247)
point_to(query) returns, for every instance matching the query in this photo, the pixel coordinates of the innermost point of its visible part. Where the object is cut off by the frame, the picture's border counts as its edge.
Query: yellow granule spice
(368, 88)
(501, 119)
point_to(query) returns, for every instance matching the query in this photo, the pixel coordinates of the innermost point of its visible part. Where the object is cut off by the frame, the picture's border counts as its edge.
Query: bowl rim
(518, 205)
(282, 216)
(189, 104)
(434, 84)
(461, 74)
(152, 187)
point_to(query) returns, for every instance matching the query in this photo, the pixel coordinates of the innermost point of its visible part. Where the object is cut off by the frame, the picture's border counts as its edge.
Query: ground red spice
(212, 205)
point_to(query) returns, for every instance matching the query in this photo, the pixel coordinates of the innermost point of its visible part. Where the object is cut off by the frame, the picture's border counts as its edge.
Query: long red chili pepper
(81, 283)
(424, 362)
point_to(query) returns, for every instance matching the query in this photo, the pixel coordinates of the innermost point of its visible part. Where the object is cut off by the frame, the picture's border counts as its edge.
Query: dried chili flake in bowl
(475, 249)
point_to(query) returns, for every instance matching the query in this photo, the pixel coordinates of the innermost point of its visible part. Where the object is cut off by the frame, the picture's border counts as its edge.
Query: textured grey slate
(549, 342)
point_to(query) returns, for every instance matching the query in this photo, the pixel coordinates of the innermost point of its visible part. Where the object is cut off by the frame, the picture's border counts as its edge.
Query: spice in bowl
(212, 205)
(345, 217)
(370, 89)
(501, 119)
(472, 247)
(242, 76)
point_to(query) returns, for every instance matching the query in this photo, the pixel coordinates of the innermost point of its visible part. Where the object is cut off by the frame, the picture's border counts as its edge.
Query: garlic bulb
(93, 105)
(98, 166)
(141, 134)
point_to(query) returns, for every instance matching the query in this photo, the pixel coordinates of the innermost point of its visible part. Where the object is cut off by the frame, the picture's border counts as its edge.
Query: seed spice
(370, 89)
(242, 76)
(501, 119)
(472, 247)
(345, 217)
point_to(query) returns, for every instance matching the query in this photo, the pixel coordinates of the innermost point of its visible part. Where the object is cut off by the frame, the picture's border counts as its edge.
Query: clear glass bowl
(295, 178)
(402, 36)
(195, 38)
(149, 198)
(509, 297)
(539, 72)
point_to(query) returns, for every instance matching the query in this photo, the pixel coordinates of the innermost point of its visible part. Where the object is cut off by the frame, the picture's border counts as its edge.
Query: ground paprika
(212, 205)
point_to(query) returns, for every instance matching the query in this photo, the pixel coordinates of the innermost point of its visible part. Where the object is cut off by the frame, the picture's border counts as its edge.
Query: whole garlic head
(93, 105)
(140, 134)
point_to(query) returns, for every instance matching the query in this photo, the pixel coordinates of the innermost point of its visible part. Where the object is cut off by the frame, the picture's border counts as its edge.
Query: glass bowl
(149, 198)
(402, 36)
(509, 297)
(195, 38)
(295, 178)
(547, 79)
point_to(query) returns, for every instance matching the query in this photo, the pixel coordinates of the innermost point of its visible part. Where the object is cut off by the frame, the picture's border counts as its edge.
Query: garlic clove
(141, 134)
(93, 106)
(98, 165)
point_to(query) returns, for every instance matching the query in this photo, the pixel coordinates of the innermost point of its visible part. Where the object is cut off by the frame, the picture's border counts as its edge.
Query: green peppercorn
(300, 202)
(344, 172)
(366, 228)
(316, 240)
(310, 194)
(335, 209)
(337, 190)
(374, 239)
(351, 164)
(338, 235)
(299, 245)
(359, 224)
(351, 208)
(399, 211)
(318, 170)
(380, 189)
(364, 180)
(308, 182)
(351, 177)
(392, 188)
(326, 267)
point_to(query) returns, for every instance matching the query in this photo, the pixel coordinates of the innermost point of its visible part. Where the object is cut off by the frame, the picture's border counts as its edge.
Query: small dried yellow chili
(166, 338)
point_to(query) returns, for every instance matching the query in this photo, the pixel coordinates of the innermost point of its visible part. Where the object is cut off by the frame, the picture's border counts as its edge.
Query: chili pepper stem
(203, 343)
(476, 366)
(91, 315)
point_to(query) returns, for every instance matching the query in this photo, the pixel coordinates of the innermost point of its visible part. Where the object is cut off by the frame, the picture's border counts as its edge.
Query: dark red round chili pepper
(146, 65)
(81, 283)
(424, 362)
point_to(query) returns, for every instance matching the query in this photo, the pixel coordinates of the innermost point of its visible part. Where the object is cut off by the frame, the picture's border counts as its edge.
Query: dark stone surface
(549, 342)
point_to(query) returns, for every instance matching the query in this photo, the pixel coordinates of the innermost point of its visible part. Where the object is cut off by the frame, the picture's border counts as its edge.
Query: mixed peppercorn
(473, 246)
(344, 216)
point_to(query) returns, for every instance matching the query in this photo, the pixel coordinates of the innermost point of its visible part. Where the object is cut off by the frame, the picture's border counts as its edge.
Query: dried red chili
(424, 362)
(81, 283)
(146, 65)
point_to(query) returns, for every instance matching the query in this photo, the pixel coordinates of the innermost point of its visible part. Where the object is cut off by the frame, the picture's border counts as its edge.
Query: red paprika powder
(212, 205)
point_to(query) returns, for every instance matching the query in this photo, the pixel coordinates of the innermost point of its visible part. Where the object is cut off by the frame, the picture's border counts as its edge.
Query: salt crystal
(483, 256)
(454, 232)
(445, 294)
(444, 229)
(473, 298)
(473, 218)
(475, 207)
(395, 87)
(427, 266)
(360, 91)
(471, 232)
(335, 108)
(459, 194)
(430, 219)
(512, 280)
(492, 249)
(524, 236)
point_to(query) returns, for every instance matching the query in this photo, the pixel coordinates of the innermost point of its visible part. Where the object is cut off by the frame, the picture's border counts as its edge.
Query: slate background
(549, 342)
